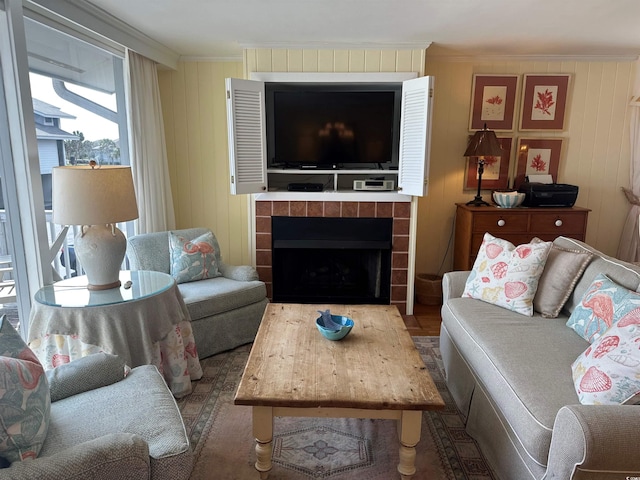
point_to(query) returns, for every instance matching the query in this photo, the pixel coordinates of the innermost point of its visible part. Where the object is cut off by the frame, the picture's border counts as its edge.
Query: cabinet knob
(501, 223)
(558, 223)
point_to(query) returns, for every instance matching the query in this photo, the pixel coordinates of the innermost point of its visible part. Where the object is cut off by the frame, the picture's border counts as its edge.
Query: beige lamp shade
(85, 195)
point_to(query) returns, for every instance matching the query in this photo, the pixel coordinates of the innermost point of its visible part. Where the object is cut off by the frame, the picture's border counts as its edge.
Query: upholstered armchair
(103, 425)
(225, 302)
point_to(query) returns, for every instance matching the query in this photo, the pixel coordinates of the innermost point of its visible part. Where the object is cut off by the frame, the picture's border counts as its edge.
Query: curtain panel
(149, 162)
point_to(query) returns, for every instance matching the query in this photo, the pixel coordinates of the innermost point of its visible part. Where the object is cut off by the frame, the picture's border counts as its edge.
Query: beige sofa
(511, 376)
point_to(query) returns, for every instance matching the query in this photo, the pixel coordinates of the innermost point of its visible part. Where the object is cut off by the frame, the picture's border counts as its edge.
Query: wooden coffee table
(374, 372)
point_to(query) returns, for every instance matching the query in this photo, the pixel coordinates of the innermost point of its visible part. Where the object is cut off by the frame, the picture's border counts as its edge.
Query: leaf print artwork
(493, 103)
(538, 164)
(544, 104)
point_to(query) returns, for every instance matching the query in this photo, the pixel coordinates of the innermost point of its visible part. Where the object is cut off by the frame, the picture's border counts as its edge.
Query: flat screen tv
(333, 125)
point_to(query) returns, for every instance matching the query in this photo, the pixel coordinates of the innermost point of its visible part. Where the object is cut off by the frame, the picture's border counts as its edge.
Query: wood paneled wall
(595, 156)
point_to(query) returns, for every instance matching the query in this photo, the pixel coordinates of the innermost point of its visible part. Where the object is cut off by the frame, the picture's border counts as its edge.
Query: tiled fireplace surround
(399, 211)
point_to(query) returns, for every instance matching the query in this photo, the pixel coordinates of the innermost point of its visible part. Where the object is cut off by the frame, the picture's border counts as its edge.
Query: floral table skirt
(175, 355)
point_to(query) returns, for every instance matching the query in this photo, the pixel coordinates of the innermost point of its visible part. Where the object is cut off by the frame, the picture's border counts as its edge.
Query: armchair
(104, 426)
(225, 310)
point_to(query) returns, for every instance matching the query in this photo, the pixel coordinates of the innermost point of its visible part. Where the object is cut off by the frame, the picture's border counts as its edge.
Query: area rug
(335, 449)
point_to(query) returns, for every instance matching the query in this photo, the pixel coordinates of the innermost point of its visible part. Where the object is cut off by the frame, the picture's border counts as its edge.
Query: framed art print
(493, 100)
(537, 156)
(496, 169)
(544, 101)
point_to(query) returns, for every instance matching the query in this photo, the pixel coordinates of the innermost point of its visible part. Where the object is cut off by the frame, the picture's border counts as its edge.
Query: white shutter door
(247, 139)
(415, 136)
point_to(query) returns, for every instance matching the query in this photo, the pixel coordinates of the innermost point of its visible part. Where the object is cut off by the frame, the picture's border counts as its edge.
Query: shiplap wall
(195, 120)
(595, 155)
(595, 152)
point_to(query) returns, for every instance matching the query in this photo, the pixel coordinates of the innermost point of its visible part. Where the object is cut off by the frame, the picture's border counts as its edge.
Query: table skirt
(175, 355)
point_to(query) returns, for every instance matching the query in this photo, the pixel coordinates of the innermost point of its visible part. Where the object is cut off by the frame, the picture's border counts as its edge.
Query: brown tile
(400, 243)
(399, 276)
(400, 226)
(402, 210)
(265, 274)
(315, 209)
(263, 258)
(263, 224)
(384, 210)
(349, 209)
(402, 307)
(367, 209)
(263, 241)
(280, 209)
(398, 293)
(399, 260)
(269, 291)
(263, 208)
(331, 209)
(298, 209)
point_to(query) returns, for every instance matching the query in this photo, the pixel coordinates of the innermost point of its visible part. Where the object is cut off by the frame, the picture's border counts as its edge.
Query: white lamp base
(100, 249)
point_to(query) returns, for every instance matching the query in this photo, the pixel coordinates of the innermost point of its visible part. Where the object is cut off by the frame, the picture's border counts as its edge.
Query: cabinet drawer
(496, 223)
(558, 223)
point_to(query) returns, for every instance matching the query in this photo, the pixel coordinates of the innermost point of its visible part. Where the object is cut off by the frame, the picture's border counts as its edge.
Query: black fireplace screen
(331, 260)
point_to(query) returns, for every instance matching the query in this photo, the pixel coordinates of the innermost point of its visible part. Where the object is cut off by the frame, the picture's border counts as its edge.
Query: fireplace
(398, 212)
(331, 260)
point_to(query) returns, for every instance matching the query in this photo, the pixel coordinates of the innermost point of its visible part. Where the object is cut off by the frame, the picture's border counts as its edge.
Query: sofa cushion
(123, 407)
(194, 259)
(217, 295)
(602, 305)
(623, 273)
(24, 398)
(561, 273)
(518, 361)
(606, 373)
(506, 275)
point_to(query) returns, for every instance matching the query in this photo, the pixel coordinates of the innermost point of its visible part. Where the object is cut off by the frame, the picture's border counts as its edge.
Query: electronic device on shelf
(305, 187)
(381, 185)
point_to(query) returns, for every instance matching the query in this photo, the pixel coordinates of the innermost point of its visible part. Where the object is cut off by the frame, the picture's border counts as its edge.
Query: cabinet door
(246, 130)
(415, 136)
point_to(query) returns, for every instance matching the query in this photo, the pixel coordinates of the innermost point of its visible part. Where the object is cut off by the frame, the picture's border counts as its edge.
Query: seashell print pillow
(603, 304)
(608, 372)
(195, 259)
(506, 275)
(25, 403)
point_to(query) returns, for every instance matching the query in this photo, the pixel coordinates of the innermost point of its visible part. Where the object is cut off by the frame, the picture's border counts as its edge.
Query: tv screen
(332, 126)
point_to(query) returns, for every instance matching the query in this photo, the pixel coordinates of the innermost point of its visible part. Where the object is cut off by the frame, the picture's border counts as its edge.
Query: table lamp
(484, 143)
(96, 198)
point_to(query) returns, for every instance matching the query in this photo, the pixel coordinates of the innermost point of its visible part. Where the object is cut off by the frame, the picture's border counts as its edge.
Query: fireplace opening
(331, 260)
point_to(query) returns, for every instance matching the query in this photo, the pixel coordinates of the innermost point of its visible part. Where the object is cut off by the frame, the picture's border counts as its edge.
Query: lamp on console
(484, 143)
(96, 198)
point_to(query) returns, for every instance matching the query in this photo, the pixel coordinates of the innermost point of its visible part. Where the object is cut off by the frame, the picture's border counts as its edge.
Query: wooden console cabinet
(517, 225)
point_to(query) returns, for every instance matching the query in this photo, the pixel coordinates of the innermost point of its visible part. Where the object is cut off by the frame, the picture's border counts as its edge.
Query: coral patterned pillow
(506, 275)
(608, 372)
(193, 259)
(25, 403)
(603, 304)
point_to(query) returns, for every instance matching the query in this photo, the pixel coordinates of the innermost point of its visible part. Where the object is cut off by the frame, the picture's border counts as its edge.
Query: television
(333, 125)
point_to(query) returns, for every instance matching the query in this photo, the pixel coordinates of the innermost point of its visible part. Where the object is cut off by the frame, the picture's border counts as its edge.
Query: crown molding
(530, 58)
(211, 58)
(338, 46)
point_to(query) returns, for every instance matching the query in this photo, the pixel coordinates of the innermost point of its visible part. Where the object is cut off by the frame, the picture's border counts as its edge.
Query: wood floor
(425, 320)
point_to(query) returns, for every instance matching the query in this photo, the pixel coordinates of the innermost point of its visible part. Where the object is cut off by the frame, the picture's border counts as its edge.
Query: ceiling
(222, 28)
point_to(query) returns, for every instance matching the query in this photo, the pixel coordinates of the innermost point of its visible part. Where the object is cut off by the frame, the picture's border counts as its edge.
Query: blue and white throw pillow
(195, 259)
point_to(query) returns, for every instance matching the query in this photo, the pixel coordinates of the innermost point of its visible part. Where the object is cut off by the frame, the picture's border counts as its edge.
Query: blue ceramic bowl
(346, 322)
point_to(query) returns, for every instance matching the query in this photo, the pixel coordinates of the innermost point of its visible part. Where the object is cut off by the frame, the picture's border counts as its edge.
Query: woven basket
(429, 289)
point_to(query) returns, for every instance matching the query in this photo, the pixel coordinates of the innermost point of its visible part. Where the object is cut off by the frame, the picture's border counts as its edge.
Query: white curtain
(149, 162)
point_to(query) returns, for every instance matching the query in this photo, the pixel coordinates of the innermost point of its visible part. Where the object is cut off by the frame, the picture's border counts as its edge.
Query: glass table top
(73, 292)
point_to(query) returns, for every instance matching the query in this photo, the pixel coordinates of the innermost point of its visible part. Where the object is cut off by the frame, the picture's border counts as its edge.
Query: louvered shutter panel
(247, 139)
(415, 136)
